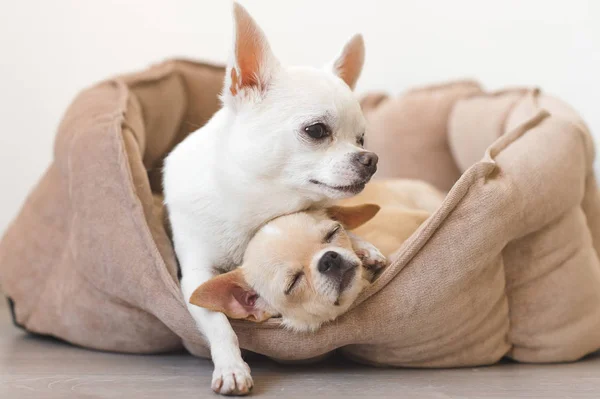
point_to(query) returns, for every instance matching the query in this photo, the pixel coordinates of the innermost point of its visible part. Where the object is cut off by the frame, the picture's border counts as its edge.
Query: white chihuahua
(286, 139)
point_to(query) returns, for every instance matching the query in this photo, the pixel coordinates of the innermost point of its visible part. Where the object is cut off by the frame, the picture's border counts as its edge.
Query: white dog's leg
(373, 260)
(231, 375)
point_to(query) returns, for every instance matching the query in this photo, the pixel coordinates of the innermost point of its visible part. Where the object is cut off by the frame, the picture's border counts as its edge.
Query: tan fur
(291, 244)
(294, 243)
(405, 204)
(353, 216)
(405, 193)
(217, 295)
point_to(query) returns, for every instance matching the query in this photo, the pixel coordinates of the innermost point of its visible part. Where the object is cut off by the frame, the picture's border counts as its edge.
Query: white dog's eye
(361, 140)
(317, 131)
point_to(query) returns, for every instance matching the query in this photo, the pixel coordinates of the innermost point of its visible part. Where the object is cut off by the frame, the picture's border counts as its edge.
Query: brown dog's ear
(349, 63)
(252, 64)
(353, 216)
(230, 294)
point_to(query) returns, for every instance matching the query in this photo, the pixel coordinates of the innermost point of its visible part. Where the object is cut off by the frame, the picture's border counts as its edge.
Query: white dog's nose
(368, 161)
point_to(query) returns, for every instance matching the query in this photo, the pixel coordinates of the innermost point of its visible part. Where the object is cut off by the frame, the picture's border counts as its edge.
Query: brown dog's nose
(333, 264)
(330, 262)
(369, 159)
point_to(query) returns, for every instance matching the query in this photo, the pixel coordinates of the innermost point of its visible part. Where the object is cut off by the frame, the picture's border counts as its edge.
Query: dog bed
(508, 266)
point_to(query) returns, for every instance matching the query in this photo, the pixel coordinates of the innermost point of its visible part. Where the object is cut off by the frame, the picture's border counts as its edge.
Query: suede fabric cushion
(508, 266)
(413, 125)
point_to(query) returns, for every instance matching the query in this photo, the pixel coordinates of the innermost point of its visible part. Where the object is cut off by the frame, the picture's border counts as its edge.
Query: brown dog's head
(299, 266)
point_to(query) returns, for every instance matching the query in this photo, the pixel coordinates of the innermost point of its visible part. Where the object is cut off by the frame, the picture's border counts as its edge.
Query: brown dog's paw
(372, 259)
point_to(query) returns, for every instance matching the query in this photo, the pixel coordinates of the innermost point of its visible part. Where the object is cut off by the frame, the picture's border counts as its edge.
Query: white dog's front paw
(232, 379)
(372, 259)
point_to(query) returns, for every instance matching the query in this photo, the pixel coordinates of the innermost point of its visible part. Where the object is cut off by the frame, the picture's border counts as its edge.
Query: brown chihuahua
(303, 267)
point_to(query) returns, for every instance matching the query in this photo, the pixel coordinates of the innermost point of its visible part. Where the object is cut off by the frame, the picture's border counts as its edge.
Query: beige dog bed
(508, 266)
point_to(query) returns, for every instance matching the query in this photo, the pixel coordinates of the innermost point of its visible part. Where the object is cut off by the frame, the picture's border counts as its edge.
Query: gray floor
(42, 368)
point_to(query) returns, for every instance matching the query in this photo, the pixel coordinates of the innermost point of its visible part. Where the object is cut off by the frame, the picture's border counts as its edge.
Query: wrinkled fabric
(508, 266)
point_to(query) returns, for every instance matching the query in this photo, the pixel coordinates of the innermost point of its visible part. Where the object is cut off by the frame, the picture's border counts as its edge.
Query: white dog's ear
(349, 63)
(352, 217)
(252, 64)
(229, 293)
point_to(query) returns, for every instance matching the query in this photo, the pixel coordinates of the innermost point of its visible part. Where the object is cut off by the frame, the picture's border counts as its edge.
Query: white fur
(249, 164)
(271, 230)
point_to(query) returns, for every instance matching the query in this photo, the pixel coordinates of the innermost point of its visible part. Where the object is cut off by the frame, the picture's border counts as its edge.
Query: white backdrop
(50, 50)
